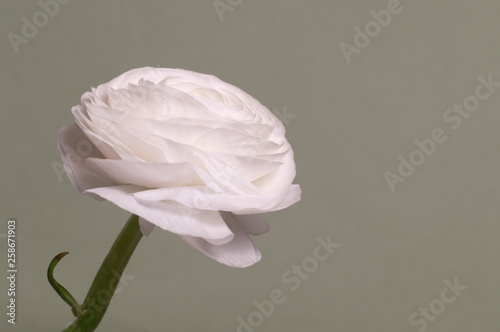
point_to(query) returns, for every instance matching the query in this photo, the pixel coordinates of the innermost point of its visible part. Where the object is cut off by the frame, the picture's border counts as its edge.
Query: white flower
(186, 152)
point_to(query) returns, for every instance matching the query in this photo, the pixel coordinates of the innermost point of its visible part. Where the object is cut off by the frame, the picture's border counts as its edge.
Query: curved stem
(63, 292)
(106, 280)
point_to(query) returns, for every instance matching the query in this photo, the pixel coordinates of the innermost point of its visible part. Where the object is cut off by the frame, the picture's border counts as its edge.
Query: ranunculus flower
(186, 152)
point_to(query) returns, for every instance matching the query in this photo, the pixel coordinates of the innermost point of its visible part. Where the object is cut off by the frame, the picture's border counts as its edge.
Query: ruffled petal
(145, 226)
(169, 216)
(74, 147)
(186, 152)
(239, 252)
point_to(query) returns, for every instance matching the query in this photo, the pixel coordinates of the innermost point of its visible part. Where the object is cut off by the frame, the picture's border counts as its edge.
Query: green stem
(63, 292)
(106, 280)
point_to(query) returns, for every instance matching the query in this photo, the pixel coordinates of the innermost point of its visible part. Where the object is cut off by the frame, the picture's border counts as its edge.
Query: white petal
(292, 196)
(250, 168)
(74, 147)
(101, 134)
(146, 226)
(161, 150)
(277, 183)
(186, 152)
(161, 102)
(200, 197)
(169, 216)
(150, 175)
(240, 252)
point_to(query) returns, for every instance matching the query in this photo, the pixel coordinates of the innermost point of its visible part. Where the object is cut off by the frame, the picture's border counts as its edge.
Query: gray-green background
(351, 122)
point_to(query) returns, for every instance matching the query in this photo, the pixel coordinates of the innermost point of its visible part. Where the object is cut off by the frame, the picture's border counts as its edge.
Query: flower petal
(74, 146)
(150, 175)
(167, 215)
(145, 226)
(240, 252)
